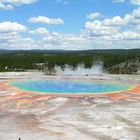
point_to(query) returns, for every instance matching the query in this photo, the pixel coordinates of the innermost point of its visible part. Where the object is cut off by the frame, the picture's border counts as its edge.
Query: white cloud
(129, 19)
(10, 4)
(47, 20)
(107, 33)
(5, 7)
(92, 16)
(115, 32)
(117, 20)
(135, 2)
(97, 29)
(128, 35)
(40, 30)
(11, 26)
(18, 2)
(56, 40)
(118, 1)
(13, 40)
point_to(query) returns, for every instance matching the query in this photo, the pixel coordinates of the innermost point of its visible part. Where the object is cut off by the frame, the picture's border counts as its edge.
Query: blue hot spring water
(68, 86)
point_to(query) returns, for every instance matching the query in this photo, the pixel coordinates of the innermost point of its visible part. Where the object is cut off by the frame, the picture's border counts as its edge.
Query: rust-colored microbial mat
(40, 116)
(9, 93)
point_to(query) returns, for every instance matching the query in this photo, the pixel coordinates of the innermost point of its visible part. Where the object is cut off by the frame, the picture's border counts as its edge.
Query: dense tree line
(28, 60)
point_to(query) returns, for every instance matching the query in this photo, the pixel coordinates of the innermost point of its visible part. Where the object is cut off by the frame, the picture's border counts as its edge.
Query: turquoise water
(68, 86)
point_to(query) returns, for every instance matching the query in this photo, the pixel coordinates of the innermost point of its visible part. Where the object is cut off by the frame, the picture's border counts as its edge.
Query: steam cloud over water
(96, 69)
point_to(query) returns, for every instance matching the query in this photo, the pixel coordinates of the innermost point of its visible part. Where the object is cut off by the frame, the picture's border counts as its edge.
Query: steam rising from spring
(96, 69)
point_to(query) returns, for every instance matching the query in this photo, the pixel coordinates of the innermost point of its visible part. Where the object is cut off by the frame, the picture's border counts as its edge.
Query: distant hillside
(100, 51)
(2, 51)
(128, 67)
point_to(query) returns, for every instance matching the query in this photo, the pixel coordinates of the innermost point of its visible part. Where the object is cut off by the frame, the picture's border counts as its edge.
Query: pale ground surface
(64, 118)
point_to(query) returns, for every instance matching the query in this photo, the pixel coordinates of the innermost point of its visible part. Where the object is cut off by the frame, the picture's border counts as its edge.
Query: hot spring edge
(68, 86)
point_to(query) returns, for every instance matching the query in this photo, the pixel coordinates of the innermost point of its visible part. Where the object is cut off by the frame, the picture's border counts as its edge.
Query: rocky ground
(69, 118)
(129, 67)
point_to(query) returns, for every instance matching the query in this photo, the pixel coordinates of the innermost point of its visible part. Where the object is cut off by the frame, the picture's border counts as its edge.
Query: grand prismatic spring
(69, 107)
(69, 87)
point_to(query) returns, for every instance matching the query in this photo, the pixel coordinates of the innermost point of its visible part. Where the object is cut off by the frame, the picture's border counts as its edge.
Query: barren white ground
(64, 118)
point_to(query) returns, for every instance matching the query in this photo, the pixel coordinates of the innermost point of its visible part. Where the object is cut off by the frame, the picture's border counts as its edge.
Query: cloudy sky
(69, 24)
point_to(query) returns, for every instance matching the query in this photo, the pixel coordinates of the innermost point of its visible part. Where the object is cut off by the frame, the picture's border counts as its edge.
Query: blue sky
(69, 24)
